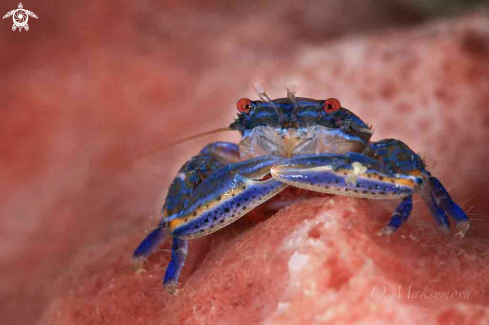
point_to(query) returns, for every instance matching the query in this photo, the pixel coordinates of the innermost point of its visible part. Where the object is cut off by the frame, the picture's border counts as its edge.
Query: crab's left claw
(351, 174)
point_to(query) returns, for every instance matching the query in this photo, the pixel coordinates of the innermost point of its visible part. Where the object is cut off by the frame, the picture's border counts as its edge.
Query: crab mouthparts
(264, 140)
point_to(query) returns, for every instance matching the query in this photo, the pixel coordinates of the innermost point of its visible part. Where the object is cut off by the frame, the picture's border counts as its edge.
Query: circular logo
(20, 17)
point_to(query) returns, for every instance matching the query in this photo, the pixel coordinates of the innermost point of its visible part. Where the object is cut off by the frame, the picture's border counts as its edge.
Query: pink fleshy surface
(85, 99)
(319, 261)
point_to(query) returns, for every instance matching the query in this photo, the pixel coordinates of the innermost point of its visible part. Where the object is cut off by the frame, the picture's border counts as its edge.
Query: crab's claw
(225, 196)
(13, 27)
(26, 27)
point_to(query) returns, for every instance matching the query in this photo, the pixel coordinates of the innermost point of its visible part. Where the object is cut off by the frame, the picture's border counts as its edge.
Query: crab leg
(440, 201)
(179, 252)
(156, 237)
(225, 196)
(399, 158)
(399, 216)
(438, 213)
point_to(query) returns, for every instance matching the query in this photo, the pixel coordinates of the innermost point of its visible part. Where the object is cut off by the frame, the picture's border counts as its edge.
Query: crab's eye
(331, 105)
(244, 105)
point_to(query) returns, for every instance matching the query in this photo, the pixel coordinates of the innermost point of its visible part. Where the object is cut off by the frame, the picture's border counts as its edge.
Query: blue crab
(310, 144)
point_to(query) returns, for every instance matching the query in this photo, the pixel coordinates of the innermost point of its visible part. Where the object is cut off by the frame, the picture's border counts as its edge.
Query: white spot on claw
(357, 170)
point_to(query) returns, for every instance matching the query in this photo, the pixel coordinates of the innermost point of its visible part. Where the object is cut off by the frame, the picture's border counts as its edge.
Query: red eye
(244, 105)
(331, 105)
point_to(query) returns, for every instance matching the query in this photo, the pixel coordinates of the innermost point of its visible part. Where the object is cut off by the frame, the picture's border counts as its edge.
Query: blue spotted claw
(222, 198)
(225, 196)
(351, 174)
(355, 174)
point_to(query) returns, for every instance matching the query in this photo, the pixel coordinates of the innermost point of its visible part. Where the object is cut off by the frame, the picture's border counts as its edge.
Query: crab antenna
(198, 135)
(260, 90)
(171, 144)
(291, 91)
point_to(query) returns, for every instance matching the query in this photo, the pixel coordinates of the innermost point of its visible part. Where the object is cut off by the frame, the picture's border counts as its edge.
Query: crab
(316, 145)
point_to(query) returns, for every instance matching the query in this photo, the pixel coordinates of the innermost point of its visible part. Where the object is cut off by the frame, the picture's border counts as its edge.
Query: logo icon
(20, 17)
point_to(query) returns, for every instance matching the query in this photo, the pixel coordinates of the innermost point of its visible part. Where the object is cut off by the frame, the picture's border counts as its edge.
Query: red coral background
(91, 88)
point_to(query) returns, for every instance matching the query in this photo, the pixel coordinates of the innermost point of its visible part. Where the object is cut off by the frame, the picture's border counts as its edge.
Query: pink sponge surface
(86, 98)
(318, 261)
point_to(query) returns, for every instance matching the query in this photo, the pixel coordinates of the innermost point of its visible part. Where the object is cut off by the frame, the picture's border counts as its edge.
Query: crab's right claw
(225, 196)
(222, 198)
